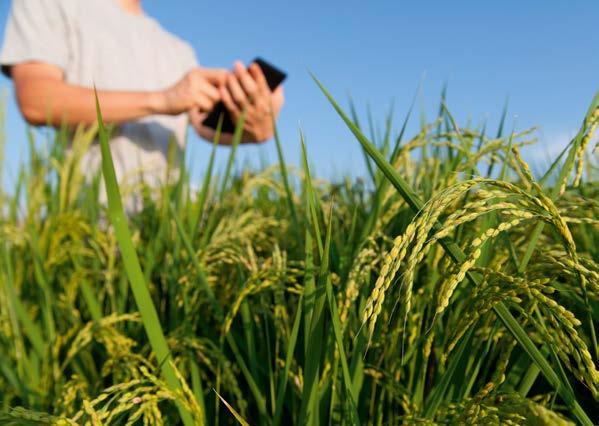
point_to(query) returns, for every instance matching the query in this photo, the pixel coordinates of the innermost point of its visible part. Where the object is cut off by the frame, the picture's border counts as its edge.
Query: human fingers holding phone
(246, 89)
(198, 89)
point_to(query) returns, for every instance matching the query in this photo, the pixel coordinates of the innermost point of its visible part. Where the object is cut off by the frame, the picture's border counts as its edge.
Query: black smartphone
(274, 77)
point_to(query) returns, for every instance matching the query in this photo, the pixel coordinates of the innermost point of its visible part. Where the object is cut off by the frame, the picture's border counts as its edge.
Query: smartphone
(274, 77)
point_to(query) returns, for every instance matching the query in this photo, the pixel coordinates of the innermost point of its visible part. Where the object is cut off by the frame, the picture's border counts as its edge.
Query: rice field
(451, 285)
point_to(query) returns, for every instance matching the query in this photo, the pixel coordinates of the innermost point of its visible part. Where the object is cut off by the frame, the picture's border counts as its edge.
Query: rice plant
(451, 285)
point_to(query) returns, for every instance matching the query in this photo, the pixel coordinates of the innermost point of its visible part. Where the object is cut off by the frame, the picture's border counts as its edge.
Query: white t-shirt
(98, 43)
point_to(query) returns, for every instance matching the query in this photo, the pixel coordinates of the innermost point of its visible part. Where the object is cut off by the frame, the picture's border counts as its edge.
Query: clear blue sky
(543, 54)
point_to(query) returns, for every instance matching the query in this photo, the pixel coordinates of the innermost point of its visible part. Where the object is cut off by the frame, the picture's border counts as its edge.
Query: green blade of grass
(38, 272)
(367, 161)
(438, 394)
(30, 329)
(237, 416)
(384, 183)
(235, 143)
(288, 360)
(88, 294)
(201, 204)
(250, 341)
(309, 289)
(499, 134)
(133, 270)
(194, 260)
(312, 205)
(91, 301)
(309, 411)
(347, 381)
(196, 385)
(254, 388)
(398, 140)
(388, 129)
(285, 178)
(456, 254)
(529, 379)
(21, 355)
(479, 362)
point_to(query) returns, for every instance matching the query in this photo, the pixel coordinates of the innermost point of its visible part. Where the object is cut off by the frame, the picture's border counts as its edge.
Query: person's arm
(247, 90)
(45, 98)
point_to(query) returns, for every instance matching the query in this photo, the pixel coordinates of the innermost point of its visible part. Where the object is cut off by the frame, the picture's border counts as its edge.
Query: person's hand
(197, 90)
(247, 90)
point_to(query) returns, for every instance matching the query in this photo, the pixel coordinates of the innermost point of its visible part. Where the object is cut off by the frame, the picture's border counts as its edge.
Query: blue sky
(542, 54)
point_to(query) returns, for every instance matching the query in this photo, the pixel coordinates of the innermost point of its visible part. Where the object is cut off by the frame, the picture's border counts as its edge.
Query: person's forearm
(55, 103)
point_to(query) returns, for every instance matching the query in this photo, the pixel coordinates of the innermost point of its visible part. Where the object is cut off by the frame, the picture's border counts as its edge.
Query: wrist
(156, 103)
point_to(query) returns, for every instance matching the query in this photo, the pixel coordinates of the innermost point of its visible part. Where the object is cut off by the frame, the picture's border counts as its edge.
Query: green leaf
(132, 266)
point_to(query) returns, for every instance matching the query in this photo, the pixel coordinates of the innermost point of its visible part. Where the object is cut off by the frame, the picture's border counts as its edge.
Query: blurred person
(149, 83)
